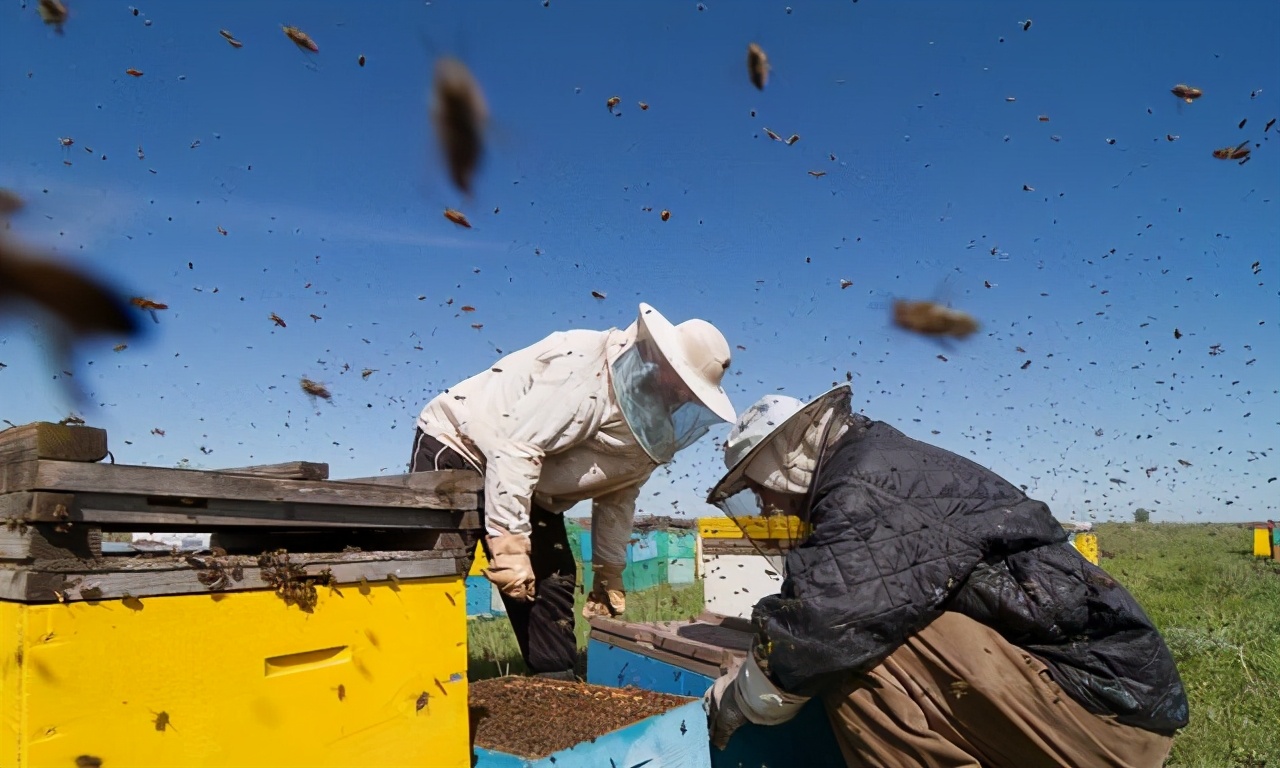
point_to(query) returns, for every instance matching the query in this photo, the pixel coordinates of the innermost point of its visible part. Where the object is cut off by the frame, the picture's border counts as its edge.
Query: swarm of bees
(930, 319)
(1186, 92)
(291, 581)
(757, 66)
(301, 39)
(459, 113)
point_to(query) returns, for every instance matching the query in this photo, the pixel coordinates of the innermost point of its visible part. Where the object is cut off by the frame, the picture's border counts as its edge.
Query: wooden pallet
(57, 500)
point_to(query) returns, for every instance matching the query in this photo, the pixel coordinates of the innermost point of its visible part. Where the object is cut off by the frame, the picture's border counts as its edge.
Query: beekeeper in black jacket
(938, 611)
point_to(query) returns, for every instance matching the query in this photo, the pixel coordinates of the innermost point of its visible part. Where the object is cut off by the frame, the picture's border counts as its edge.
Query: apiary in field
(662, 550)
(325, 626)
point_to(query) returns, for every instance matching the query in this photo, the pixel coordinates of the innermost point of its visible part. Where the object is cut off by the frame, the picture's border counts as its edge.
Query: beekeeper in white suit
(579, 415)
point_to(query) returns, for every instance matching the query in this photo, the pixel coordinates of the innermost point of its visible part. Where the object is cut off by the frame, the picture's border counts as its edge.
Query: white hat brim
(665, 335)
(732, 481)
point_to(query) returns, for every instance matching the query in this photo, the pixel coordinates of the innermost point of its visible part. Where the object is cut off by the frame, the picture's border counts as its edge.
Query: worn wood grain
(116, 578)
(240, 541)
(289, 470)
(36, 506)
(44, 440)
(445, 489)
(42, 541)
(117, 510)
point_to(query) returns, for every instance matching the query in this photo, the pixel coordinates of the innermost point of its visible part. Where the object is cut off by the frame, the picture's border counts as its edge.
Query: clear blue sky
(326, 177)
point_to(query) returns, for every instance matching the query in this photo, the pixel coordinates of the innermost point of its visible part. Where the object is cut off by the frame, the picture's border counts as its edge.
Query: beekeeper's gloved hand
(724, 714)
(607, 597)
(509, 567)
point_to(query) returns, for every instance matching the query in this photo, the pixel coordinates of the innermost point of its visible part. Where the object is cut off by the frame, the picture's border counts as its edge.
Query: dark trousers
(544, 627)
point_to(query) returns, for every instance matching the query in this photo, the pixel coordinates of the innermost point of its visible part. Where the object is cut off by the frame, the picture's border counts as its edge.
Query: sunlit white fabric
(543, 425)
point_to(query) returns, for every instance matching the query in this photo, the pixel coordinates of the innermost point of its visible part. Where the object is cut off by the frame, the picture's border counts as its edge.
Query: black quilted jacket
(903, 530)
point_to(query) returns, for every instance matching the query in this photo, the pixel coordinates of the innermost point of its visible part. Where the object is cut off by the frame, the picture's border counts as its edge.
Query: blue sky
(327, 180)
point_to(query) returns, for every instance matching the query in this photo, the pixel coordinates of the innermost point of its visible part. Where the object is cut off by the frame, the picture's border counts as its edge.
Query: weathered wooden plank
(289, 470)
(43, 440)
(42, 541)
(34, 506)
(238, 541)
(115, 578)
(445, 489)
(17, 475)
(202, 515)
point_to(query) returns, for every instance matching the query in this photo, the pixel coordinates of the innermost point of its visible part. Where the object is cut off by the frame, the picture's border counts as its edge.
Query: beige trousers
(958, 694)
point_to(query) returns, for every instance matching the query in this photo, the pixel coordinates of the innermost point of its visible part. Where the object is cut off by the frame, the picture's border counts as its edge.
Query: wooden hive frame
(57, 501)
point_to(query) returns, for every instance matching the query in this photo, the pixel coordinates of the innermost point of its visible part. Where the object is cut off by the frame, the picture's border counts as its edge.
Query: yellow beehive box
(374, 675)
(789, 528)
(1086, 544)
(1262, 542)
(480, 563)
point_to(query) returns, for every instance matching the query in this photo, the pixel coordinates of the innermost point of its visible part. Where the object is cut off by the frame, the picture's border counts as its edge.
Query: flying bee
(597, 295)
(817, 174)
(1186, 92)
(644, 106)
(133, 72)
(665, 215)
(793, 139)
(367, 372)
(612, 102)
(301, 39)
(84, 305)
(149, 306)
(277, 320)
(930, 319)
(457, 217)
(1237, 152)
(53, 12)
(459, 114)
(231, 39)
(772, 135)
(757, 66)
(66, 141)
(315, 389)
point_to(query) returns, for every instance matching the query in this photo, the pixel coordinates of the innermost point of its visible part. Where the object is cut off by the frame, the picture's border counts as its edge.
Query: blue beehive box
(676, 738)
(685, 658)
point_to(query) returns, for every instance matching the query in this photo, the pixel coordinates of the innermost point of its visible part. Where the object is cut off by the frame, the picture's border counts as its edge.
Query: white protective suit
(543, 426)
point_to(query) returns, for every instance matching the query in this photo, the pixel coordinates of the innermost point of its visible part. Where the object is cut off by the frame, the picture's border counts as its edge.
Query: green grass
(1218, 607)
(492, 645)
(1219, 610)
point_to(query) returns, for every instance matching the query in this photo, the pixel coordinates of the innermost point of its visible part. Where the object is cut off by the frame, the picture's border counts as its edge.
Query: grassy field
(1218, 607)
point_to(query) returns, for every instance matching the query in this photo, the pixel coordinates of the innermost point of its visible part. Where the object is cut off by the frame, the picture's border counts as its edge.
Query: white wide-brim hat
(762, 423)
(698, 353)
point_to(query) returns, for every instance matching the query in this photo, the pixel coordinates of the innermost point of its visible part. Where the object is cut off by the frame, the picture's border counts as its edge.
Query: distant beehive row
(661, 551)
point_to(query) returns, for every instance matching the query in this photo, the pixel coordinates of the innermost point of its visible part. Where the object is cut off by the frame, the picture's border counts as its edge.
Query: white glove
(509, 567)
(607, 597)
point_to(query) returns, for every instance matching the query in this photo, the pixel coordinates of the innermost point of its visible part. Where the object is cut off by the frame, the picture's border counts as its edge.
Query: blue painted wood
(618, 667)
(496, 606)
(680, 570)
(674, 739)
(643, 546)
(479, 596)
(804, 740)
